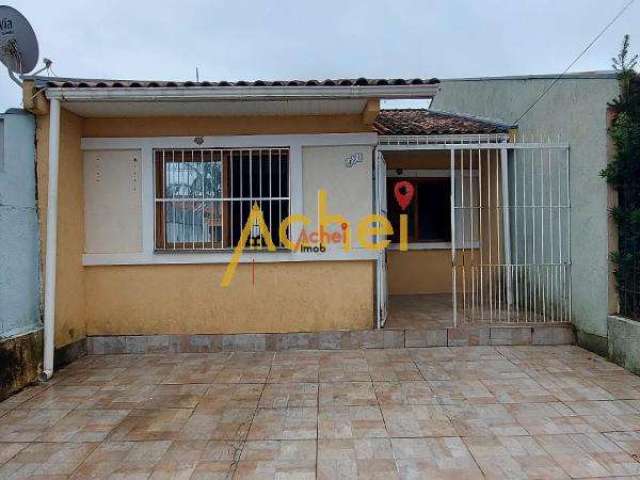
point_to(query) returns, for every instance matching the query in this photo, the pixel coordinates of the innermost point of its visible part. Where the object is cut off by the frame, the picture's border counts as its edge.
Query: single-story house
(145, 189)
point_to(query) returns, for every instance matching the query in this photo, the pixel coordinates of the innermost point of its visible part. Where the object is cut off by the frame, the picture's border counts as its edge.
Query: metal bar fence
(511, 259)
(204, 196)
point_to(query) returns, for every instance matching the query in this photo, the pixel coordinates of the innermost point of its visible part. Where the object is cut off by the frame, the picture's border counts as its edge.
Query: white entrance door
(510, 222)
(382, 292)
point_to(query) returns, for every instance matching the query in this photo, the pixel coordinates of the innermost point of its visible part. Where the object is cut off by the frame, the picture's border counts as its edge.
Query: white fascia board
(240, 93)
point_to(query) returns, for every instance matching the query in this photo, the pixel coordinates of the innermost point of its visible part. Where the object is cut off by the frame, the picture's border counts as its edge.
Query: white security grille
(511, 222)
(204, 196)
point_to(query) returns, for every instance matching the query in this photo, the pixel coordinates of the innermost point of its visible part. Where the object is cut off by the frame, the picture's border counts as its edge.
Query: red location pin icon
(403, 191)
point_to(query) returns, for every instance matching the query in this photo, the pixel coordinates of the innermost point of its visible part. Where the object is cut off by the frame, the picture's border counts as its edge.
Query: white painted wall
(349, 190)
(113, 201)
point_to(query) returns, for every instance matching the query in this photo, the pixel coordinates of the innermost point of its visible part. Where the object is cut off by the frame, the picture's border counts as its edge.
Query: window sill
(435, 246)
(186, 258)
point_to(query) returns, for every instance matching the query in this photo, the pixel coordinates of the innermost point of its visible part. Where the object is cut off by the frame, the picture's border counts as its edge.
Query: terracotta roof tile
(421, 121)
(49, 82)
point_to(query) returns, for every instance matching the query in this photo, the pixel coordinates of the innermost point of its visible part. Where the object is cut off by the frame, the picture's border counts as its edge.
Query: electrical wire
(586, 49)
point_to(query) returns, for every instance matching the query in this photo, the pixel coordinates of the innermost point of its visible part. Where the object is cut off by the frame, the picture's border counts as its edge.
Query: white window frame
(295, 143)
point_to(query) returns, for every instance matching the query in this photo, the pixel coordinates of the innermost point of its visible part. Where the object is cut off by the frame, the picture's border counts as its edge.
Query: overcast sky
(231, 40)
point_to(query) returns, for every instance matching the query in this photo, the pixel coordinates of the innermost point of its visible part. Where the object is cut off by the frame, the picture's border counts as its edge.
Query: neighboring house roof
(421, 121)
(593, 75)
(51, 82)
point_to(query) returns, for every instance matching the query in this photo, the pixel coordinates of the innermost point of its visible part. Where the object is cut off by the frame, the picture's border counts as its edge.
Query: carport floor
(434, 413)
(407, 312)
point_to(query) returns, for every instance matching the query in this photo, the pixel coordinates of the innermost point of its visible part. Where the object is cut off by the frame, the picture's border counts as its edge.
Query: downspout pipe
(52, 240)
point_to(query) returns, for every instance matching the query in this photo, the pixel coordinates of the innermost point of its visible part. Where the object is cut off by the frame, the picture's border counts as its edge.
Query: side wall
(19, 269)
(575, 109)
(20, 325)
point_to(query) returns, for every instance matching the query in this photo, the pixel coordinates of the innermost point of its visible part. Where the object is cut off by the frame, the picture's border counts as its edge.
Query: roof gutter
(142, 94)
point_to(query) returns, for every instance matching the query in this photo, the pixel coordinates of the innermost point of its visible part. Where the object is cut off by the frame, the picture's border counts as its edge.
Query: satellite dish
(18, 42)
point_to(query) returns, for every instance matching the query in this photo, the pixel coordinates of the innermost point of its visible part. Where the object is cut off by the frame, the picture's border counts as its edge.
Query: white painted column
(52, 239)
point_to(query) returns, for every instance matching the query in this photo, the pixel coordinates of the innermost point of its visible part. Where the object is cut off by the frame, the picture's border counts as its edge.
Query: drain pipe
(52, 239)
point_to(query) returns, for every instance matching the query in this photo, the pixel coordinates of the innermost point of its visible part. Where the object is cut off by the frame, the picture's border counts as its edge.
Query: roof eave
(242, 92)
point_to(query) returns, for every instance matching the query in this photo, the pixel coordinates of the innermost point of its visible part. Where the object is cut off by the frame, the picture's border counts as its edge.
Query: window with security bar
(204, 196)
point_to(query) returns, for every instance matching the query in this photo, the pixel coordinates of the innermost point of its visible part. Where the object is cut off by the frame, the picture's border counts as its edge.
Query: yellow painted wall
(187, 299)
(418, 272)
(201, 126)
(309, 296)
(70, 288)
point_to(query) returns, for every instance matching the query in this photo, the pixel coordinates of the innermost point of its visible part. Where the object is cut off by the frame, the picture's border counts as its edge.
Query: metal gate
(510, 224)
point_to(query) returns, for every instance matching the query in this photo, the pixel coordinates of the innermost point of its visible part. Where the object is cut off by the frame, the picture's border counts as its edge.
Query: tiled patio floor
(438, 413)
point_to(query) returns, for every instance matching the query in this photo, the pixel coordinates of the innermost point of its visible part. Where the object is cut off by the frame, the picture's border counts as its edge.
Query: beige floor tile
(571, 387)
(344, 422)
(556, 425)
(604, 407)
(291, 423)
(346, 366)
(230, 424)
(250, 359)
(243, 374)
(434, 355)
(175, 396)
(185, 373)
(220, 397)
(143, 375)
(395, 372)
(347, 393)
(388, 355)
(94, 376)
(613, 423)
(404, 393)
(363, 458)
(589, 455)
(160, 424)
(417, 421)
(539, 409)
(61, 397)
(84, 426)
(294, 374)
(27, 425)
(278, 460)
(620, 385)
(122, 460)
(513, 458)
(46, 460)
(628, 441)
(22, 396)
(448, 391)
(297, 358)
(179, 461)
(10, 450)
(434, 458)
(118, 397)
(284, 395)
(219, 461)
(518, 390)
(480, 420)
